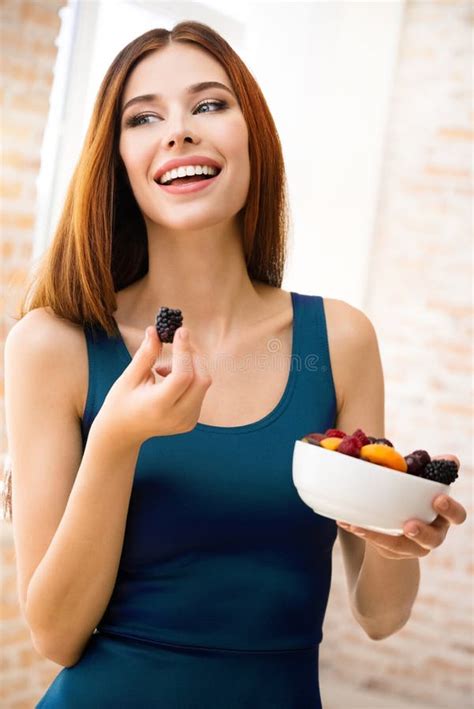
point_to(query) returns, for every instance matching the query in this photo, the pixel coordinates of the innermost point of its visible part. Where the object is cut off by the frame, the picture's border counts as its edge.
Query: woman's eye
(219, 104)
(137, 120)
(141, 119)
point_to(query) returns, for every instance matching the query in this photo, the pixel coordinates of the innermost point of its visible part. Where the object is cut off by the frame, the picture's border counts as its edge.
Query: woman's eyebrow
(193, 89)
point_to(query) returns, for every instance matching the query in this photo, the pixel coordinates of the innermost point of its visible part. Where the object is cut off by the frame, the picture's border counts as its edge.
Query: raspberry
(314, 438)
(360, 435)
(167, 322)
(334, 433)
(350, 445)
(441, 471)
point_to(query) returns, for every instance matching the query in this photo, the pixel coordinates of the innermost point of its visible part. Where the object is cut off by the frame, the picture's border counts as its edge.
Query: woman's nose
(180, 137)
(178, 129)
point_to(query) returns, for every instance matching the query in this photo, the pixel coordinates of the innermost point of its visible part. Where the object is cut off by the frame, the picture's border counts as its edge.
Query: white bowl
(353, 490)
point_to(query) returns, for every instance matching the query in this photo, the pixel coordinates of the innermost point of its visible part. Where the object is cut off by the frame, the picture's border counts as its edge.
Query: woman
(164, 556)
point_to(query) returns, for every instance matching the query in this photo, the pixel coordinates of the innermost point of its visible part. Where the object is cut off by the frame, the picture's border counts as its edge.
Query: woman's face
(178, 124)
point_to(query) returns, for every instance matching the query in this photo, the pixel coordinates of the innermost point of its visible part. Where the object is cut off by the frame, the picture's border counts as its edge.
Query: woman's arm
(381, 590)
(69, 506)
(382, 571)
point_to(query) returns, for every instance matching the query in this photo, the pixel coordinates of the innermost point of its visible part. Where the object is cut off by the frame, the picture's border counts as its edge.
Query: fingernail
(343, 525)
(184, 335)
(413, 531)
(443, 504)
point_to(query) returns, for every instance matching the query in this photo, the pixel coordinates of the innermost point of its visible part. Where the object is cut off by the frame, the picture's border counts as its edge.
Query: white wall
(326, 70)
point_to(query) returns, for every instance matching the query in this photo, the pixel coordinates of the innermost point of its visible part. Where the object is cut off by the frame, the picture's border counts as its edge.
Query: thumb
(146, 355)
(448, 456)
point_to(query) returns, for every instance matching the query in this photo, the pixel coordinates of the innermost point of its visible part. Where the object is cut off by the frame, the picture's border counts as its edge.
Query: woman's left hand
(418, 538)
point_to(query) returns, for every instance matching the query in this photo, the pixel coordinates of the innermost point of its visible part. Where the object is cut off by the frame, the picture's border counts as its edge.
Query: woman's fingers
(194, 395)
(448, 456)
(428, 536)
(181, 375)
(418, 538)
(139, 368)
(451, 510)
(400, 547)
(163, 369)
(404, 546)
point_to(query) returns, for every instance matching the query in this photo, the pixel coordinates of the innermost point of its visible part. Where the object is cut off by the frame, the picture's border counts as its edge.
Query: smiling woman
(163, 554)
(105, 217)
(214, 595)
(148, 146)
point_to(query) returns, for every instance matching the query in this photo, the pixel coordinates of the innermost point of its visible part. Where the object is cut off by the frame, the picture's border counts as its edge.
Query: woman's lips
(189, 186)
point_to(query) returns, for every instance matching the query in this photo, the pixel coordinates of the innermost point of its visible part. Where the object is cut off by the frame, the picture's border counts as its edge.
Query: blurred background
(373, 102)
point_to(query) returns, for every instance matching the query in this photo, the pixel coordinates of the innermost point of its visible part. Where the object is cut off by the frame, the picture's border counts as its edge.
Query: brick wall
(419, 299)
(27, 54)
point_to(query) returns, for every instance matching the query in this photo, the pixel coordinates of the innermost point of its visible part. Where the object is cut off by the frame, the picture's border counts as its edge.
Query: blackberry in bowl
(365, 481)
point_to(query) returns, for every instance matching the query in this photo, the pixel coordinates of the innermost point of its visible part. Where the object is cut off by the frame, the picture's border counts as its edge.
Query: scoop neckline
(284, 399)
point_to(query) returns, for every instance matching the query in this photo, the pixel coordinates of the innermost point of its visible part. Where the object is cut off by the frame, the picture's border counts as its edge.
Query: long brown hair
(100, 243)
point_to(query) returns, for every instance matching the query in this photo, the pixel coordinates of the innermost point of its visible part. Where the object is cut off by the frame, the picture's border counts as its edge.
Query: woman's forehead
(170, 71)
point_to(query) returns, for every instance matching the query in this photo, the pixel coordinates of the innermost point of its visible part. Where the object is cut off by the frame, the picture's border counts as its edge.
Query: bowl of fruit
(365, 481)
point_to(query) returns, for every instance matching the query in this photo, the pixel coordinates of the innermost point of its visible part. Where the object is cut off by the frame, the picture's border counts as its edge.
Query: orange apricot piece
(380, 454)
(330, 443)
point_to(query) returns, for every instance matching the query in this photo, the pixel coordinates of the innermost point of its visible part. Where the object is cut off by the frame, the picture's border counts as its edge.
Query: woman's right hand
(138, 407)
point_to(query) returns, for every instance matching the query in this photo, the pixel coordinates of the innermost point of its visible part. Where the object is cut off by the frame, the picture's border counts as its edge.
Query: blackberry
(167, 322)
(441, 471)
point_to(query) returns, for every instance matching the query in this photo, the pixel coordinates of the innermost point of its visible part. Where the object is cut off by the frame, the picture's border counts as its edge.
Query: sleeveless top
(219, 550)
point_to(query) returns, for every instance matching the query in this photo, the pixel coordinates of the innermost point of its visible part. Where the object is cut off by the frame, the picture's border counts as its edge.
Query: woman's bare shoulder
(43, 328)
(351, 339)
(346, 323)
(43, 336)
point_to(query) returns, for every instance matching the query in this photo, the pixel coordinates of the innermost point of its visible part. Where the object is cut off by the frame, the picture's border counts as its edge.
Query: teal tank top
(219, 550)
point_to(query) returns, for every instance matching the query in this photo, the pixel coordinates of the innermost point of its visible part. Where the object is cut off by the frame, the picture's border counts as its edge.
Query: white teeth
(187, 170)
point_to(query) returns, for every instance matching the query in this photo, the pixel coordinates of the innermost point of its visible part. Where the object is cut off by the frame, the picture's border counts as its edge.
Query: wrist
(119, 441)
